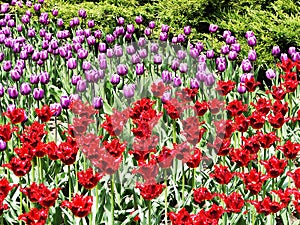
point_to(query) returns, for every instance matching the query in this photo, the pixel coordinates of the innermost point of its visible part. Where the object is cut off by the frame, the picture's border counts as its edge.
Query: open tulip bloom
(143, 125)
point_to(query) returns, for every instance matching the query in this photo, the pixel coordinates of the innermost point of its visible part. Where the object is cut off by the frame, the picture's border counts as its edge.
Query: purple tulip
(245, 76)
(221, 67)
(75, 79)
(60, 22)
(97, 34)
(249, 34)
(147, 31)
(56, 107)
(4, 8)
(44, 78)
(165, 28)
(143, 53)
(11, 23)
(187, 30)
(201, 66)
(139, 19)
(202, 58)
(183, 67)
(236, 47)
(174, 40)
(86, 65)
(200, 76)
(166, 76)
(12, 92)
(181, 38)
(194, 53)
(226, 34)
(292, 50)
(65, 101)
(252, 55)
(209, 80)
(82, 53)
(139, 69)
(37, 7)
(251, 41)
(177, 81)
(110, 38)
(128, 36)
(81, 85)
(54, 12)
(284, 57)
(15, 75)
(181, 54)
(128, 90)
(163, 36)
(115, 79)
(230, 40)
(130, 28)
(2, 145)
(6, 65)
(135, 58)
(98, 102)
(130, 50)
(157, 59)
(25, 89)
(72, 63)
(151, 24)
(122, 70)
(295, 56)
(246, 66)
(210, 54)
(2, 56)
(1, 90)
(213, 28)
(194, 83)
(82, 13)
(118, 51)
(241, 88)
(120, 21)
(270, 74)
(232, 55)
(225, 49)
(275, 50)
(175, 64)
(38, 94)
(199, 46)
(142, 42)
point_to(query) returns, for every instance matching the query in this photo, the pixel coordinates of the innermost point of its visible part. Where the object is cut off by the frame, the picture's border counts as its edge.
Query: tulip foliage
(124, 128)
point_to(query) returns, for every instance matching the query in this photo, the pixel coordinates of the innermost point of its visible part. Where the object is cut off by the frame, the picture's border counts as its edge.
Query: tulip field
(142, 126)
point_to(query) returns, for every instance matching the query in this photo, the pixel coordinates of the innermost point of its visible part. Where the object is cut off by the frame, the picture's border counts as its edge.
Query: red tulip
(44, 113)
(253, 180)
(224, 87)
(150, 191)
(35, 216)
(236, 108)
(289, 149)
(20, 167)
(234, 202)
(80, 205)
(202, 194)
(16, 115)
(274, 166)
(88, 179)
(222, 174)
(201, 107)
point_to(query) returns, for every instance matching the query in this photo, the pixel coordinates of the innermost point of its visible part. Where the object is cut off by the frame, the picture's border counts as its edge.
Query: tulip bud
(210, 54)
(38, 94)
(270, 74)
(81, 85)
(194, 83)
(25, 89)
(12, 92)
(2, 145)
(139, 69)
(166, 76)
(98, 102)
(177, 81)
(213, 28)
(139, 19)
(151, 24)
(187, 30)
(115, 79)
(128, 90)
(275, 50)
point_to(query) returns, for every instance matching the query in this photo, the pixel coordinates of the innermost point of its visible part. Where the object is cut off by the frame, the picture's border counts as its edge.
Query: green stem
(112, 199)
(149, 212)
(174, 131)
(183, 183)
(166, 197)
(70, 182)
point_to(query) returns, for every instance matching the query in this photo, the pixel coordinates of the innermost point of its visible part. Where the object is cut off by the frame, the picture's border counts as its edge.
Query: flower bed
(123, 128)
